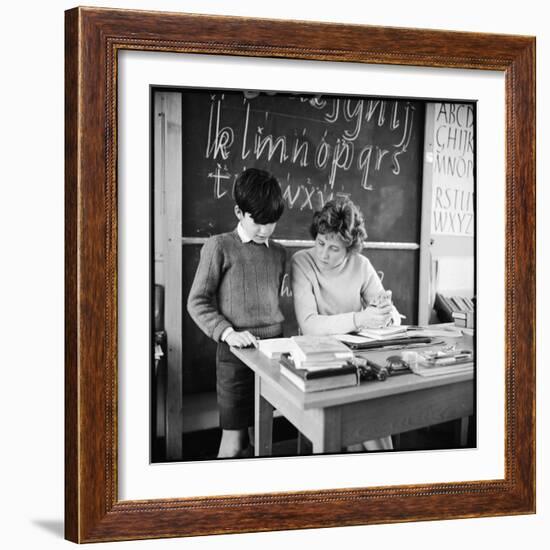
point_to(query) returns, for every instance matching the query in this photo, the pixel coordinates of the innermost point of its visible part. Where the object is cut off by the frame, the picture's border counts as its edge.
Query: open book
(384, 332)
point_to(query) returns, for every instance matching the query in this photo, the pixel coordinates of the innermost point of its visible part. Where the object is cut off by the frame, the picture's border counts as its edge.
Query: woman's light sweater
(325, 300)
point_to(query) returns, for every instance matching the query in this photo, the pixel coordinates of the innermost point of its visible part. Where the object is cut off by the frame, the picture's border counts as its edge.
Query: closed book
(457, 368)
(319, 347)
(274, 347)
(447, 361)
(321, 379)
(445, 304)
(463, 306)
(392, 342)
(444, 307)
(320, 365)
(320, 358)
(450, 304)
(464, 318)
(433, 358)
(432, 363)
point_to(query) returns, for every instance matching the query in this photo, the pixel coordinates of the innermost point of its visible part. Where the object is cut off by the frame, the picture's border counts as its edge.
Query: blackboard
(318, 147)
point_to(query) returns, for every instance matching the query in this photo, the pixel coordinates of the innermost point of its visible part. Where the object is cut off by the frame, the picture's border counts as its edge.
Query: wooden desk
(337, 418)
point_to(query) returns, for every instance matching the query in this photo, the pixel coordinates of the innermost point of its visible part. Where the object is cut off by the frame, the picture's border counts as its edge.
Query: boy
(234, 298)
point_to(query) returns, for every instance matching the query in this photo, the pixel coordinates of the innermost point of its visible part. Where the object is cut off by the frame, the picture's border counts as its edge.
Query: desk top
(269, 371)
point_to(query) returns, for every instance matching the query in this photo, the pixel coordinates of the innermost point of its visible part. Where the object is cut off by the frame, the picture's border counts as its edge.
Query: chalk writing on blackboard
(318, 147)
(345, 144)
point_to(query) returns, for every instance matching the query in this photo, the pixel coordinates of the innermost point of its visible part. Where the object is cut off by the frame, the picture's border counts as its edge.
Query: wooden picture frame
(93, 511)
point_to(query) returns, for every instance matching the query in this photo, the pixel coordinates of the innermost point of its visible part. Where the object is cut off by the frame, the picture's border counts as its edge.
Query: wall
(32, 276)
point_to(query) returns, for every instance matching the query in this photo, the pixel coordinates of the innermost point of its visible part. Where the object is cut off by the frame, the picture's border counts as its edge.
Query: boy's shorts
(235, 389)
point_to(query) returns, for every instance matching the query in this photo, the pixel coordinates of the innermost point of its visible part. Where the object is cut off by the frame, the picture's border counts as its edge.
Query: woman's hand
(242, 339)
(374, 317)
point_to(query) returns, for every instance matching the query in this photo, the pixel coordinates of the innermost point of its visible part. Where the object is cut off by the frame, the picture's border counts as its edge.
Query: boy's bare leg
(251, 433)
(380, 444)
(233, 443)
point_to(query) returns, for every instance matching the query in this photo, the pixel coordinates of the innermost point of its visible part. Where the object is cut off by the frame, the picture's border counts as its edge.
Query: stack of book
(464, 319)
(325, 378)
(448, 305)
(438, 363)
(319, 352)
(319, 363)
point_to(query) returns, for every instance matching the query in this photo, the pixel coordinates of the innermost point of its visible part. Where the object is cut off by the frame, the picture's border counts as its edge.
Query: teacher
(336, 289)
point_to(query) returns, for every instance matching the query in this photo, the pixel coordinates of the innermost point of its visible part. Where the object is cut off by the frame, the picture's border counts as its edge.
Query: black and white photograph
(313, 274)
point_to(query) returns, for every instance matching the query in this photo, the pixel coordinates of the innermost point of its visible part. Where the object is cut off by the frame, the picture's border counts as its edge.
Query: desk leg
(396, 440)
(464, 425)
(330, 440)
(302, 443)
(263, 422)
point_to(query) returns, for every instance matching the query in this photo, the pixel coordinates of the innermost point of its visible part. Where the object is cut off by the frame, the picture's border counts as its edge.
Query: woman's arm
(371, 293)
(305, 306)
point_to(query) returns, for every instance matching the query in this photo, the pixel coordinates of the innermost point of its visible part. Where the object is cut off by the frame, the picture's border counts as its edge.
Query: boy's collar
(245, 238)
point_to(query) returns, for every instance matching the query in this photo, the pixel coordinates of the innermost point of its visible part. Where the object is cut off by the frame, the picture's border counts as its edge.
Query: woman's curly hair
(343, 218)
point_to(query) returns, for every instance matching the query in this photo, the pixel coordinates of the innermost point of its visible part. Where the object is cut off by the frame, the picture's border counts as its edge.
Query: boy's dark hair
(259, 193)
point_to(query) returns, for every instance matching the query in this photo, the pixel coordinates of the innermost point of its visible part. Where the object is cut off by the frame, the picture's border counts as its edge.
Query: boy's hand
(242, 339)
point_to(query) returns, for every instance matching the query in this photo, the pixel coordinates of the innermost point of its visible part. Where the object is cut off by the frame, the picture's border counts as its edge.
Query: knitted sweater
(237, 285)
(325, 299)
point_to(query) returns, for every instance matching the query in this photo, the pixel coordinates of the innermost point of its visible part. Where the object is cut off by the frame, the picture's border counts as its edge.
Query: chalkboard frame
(93, 510)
